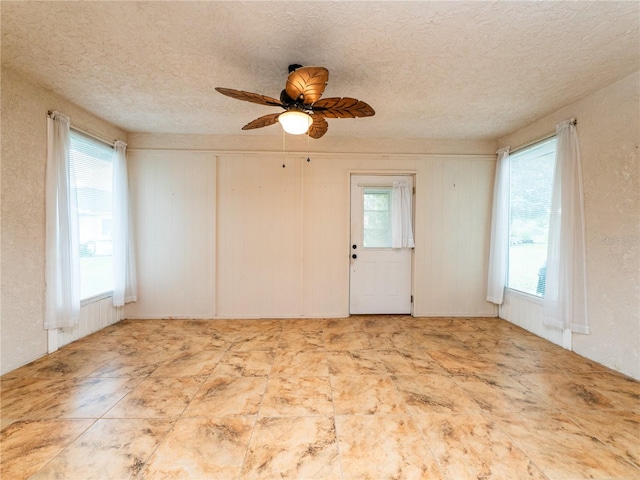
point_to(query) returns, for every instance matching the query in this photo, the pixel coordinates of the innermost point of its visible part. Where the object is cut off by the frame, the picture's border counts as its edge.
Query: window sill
(95, 298)
(525, 296)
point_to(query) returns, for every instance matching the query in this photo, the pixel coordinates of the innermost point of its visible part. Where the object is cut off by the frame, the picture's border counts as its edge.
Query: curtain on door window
(124, 273)
(565, 296)
(499, 246)
(62, 271)
(401, 217)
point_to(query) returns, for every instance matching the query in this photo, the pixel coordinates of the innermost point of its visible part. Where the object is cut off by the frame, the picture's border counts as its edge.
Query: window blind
(530, 187)
(91, 179)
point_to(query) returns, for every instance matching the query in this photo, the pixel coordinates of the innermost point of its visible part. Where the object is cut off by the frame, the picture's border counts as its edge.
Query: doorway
(379, 275)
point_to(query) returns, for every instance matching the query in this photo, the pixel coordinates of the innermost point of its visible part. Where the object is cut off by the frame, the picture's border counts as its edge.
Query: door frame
(381, 173)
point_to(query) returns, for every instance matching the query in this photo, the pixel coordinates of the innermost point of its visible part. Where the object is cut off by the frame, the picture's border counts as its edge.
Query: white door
(380, 276)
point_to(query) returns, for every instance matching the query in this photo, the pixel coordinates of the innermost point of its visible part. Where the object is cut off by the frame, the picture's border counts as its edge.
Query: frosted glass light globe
(295, 122)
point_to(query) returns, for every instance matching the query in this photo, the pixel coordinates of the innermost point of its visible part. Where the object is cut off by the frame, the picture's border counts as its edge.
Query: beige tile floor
(379, 397)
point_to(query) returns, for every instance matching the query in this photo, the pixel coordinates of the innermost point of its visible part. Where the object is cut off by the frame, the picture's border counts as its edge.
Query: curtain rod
(539, 139)
(89, 133)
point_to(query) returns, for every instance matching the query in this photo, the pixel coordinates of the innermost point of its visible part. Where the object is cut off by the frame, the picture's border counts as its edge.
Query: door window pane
(377, 218)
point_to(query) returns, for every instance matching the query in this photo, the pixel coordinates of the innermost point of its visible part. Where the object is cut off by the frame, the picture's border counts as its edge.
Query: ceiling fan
(304, 111)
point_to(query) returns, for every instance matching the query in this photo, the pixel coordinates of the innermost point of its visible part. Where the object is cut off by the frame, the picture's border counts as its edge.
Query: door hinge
(411, 298)
(414, 190)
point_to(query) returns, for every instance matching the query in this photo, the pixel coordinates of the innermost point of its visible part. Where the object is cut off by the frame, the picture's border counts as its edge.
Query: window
(377, 218)
(92, 173)
(530, 187)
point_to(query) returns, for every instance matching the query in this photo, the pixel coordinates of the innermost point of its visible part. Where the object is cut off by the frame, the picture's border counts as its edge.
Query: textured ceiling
(473, 70)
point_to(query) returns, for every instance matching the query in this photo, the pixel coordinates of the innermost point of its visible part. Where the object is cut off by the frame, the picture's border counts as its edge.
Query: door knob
(354, 256)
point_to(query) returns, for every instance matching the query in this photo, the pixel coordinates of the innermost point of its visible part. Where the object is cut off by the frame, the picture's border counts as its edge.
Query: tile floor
(380, 397)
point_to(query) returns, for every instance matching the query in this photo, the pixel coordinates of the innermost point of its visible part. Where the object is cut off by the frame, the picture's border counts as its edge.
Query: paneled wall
(229, 235)
(526, 312)
(174, 201)
(454, 206)
(260, 207)
(94, 316)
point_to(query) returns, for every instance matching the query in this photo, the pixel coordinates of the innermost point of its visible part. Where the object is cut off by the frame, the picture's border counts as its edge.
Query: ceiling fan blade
(318, 128)
(249, 97)
(263, 121)
(346, 107)
(306, 84)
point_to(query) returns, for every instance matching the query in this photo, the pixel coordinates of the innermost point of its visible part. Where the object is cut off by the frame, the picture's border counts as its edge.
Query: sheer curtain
(401, 222)
(565, 295)
(499, 245)
(62, 271)
(124, 272)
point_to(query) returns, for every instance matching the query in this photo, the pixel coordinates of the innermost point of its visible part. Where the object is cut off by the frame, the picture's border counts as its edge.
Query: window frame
(92, 298)
(534, 297)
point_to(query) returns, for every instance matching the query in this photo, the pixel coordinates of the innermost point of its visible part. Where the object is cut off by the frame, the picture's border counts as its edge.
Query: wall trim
(298, 153)
(234, 317)
(455, 315)
(52, 340)
(302, 317)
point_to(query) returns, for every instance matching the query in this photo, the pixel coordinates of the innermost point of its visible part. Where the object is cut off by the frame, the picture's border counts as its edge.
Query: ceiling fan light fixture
(295, 122)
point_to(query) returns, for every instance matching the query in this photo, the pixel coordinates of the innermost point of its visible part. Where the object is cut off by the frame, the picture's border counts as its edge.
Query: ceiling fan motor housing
(289, 103)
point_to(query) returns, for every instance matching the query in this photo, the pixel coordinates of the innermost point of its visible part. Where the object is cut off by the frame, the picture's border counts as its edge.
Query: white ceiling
(473, 70)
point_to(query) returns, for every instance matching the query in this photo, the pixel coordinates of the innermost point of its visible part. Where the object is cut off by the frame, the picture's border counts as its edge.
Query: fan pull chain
(308, 158)
(283, 150)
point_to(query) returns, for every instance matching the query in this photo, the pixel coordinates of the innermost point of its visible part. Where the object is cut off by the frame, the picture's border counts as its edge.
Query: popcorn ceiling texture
(24, 154)
(467, 70)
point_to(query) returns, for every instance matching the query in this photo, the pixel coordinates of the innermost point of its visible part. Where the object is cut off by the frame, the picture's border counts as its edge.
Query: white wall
(173, 196)
(265, 241)
(24, 152)
(609, 132)
(454, 209)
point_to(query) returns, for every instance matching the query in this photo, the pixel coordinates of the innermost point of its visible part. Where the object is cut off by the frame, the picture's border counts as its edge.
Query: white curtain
(499, 245)
(62, 271)
(401, 218)
(565, 296)
(124, 272)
